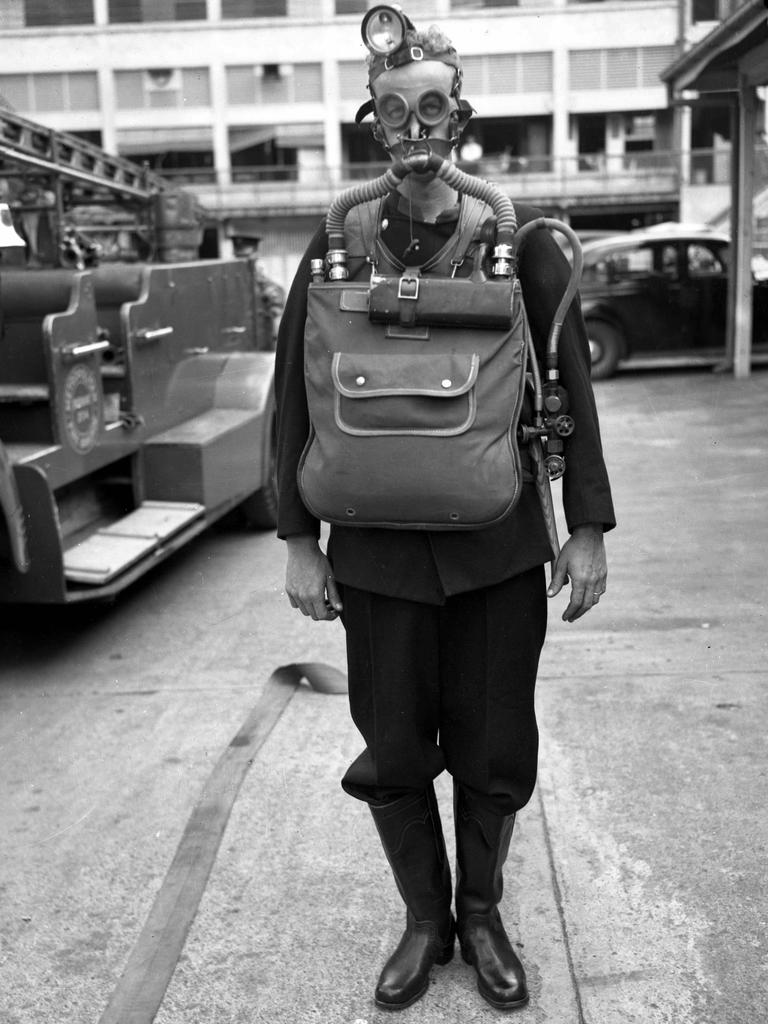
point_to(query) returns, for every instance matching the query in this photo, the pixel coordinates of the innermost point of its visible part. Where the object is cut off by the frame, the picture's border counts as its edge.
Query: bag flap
(440, 375)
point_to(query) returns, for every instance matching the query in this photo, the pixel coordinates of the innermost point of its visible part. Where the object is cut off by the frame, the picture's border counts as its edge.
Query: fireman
(443, 629)
(269, 297)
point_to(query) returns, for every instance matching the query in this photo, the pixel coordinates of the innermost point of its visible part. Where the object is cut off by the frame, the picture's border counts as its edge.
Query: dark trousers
(435, 687)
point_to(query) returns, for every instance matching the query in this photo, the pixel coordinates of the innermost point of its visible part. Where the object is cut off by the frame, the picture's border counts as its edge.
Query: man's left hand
(582, 560)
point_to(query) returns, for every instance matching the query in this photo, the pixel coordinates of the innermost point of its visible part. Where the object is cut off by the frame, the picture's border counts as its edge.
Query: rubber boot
(482, 844)
(412, 838)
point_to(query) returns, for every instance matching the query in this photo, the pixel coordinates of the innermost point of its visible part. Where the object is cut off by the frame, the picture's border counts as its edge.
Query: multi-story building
(254, 101)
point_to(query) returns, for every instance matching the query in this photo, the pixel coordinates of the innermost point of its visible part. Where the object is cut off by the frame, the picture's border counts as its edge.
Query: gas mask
(408, 120)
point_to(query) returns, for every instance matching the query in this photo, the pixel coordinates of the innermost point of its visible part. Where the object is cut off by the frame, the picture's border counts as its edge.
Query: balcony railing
(538, 178)
(495, 166)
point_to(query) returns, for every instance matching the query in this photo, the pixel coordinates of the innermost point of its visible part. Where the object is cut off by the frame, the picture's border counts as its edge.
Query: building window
(596, 1)
(75, 90)
(705, 10)
(162, 87)
(93, 138)
(54, 12)
(513, 145)
(254, 8)
(463, 5)
(351, 6)
(16, 92)
(585, 70)
(353, 75)
(123, 12)
(274, 83)
(263, 153)
(640, 132)
(307, 83)
(621, 68)
(653, 60)
(184, 166)
(490, 75)
(508, 73)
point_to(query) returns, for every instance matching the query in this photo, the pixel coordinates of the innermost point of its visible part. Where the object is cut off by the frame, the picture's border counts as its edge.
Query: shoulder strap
(363, 243)
(360, 230)
(472, 212)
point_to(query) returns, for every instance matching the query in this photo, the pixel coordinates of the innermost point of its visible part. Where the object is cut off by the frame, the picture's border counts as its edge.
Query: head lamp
(384, 29)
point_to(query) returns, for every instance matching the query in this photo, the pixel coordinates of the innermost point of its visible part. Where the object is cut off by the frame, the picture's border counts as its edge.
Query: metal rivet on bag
(454, 516)
(360, 380)
(446, 383)
(350, 511)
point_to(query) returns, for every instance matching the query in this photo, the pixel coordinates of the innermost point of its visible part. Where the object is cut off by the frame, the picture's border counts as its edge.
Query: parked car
(659, 297)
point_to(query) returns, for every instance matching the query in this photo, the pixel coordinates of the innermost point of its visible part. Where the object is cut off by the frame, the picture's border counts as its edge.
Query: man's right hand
(309, 582)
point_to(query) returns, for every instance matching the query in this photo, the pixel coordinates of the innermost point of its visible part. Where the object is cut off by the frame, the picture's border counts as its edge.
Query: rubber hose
(467, 184)
(573, 282)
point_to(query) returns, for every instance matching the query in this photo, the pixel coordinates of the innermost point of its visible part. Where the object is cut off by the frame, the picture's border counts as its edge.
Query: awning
(737, 47)
(163, 140)
(244, 138)
(284, 136)
(730, 63)
(296, 136)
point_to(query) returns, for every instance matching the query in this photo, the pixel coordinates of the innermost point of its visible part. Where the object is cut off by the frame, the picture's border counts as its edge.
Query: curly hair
(434, 43)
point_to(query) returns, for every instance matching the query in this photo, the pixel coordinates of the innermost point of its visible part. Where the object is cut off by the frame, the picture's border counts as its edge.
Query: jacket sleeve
(291, 399)
(544, 273)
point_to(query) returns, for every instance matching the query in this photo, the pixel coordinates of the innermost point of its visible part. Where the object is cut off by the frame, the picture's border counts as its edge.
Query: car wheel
(259, 510)
(605, 347)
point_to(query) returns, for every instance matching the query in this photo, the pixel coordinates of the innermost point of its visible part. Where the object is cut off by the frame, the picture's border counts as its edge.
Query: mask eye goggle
(394, 111)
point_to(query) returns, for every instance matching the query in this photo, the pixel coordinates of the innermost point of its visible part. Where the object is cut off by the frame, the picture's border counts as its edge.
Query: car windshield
(602, 262)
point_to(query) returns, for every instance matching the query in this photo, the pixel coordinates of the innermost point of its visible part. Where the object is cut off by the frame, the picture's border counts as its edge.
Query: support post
(733, 230)
(743, 239)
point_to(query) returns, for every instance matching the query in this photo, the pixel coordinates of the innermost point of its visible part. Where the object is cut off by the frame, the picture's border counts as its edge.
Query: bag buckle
(408, 287)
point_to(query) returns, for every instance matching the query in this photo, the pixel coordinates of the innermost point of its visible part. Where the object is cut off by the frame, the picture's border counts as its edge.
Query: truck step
(115, 548)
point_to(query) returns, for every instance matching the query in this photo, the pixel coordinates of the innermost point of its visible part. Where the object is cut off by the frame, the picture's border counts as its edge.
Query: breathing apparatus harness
(408, 310)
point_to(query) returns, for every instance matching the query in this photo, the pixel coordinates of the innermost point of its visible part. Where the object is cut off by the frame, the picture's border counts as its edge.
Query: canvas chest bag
(414, 381)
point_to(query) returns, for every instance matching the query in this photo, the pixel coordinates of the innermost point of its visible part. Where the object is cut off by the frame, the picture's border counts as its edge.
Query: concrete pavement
(636, 878)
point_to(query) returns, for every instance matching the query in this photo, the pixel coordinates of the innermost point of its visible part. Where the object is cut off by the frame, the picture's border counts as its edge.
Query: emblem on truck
(82, 412)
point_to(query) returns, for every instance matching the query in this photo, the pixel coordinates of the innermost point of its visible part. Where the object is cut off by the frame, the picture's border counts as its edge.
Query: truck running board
(115, 548)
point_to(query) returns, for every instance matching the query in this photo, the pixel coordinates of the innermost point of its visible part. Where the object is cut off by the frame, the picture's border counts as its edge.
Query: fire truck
(136, 379)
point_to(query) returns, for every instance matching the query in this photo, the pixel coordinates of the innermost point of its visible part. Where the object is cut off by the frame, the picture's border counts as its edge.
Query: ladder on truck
(26, 144)
(54, 174)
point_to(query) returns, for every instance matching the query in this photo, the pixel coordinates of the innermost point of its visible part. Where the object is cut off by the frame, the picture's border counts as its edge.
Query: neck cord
(413, 245)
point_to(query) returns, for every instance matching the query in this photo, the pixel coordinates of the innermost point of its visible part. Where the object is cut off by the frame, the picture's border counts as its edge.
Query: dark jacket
(430, 565)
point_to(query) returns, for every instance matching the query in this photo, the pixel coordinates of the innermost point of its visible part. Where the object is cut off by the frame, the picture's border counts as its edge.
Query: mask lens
(432, 107)
(393, 110)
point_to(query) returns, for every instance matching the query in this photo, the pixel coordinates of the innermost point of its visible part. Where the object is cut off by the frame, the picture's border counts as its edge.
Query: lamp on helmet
(384, 29)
